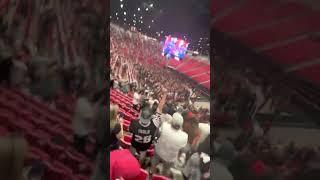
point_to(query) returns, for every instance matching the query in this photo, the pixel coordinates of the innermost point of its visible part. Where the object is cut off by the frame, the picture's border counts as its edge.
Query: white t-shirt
(170, 142)
(84, 110)
(136, 98)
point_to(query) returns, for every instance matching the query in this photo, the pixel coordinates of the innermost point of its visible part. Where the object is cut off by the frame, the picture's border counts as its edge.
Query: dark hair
(154, 107)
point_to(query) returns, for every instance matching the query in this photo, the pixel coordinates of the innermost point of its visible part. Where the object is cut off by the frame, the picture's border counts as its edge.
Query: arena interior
(160, 90)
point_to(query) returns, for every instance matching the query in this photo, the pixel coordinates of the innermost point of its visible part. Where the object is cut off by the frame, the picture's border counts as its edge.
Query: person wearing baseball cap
(172, 139)
(143, 133)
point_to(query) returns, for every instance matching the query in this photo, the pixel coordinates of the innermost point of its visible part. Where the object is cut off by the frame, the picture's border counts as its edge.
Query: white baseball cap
(177, 119)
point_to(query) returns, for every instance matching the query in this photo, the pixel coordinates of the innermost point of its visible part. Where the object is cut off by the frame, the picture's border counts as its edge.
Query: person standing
(172, 139)
(82, 120)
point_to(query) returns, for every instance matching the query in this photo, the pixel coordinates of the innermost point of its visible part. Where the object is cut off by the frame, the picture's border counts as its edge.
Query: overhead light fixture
(149, 27)
(124, 13)
(125, 19)
(121, 6)
(121, 0)
(138, 9)
(134, 15)
(147, 9)
(140, 17)
(151, 5)
(152, 20)
(116, 14)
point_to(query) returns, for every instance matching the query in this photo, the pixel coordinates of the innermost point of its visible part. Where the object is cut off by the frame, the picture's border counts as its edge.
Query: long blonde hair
(113, 115)
(12, 153)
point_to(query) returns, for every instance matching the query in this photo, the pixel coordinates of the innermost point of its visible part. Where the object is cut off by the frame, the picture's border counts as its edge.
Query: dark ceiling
(188, 19)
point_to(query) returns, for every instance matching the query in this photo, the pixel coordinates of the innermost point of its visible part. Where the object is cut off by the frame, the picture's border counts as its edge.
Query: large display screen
(175, 48)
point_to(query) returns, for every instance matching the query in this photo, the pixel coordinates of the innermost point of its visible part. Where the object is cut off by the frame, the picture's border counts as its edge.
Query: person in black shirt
(143, 133)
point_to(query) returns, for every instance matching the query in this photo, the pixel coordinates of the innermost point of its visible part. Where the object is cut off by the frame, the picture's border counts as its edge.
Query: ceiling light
(149, 27)
(116, 14)
(147, 9)
(138, 9)
(125, 19)
(124, 13)
(141, 22)
(140, 17)
(121, 0)
(121, 6)
(134, 15)
(151, 5)
(152, 21)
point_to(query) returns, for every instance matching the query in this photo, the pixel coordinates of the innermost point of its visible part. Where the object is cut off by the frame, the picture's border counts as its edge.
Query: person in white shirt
(82, 121)
(136, 100)
(172, 139)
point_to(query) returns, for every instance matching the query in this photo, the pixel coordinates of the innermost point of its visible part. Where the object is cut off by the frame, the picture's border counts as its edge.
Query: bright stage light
(138, 9)
(121, 6)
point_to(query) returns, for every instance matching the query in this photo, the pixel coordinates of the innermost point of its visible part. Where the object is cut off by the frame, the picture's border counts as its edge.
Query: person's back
(170, 142)
(83, 112)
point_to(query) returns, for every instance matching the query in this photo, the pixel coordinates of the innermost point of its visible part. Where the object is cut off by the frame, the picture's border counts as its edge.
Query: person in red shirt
(123, 165)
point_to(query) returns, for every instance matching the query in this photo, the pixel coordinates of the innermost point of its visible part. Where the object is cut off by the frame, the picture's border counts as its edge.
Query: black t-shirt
(114, 143)
(142, 136)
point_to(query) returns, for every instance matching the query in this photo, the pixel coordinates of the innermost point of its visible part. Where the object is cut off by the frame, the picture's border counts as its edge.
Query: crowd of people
(47, 51)
(168, 122)
(249, 102)
(135, 63)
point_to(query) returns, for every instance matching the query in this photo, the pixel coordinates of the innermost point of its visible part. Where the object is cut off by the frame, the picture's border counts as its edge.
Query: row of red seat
(40, 125)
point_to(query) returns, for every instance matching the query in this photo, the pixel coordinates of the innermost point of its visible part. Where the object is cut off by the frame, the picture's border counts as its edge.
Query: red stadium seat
(127, 138)
(126, 127)
(124, 144)
(150, 152)
(53, 173)
(38, 154)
